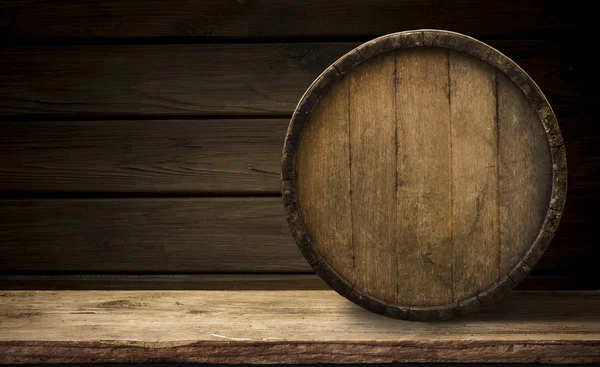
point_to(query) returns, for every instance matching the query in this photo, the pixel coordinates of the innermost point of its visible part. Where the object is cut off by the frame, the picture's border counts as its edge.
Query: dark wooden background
(140, 140)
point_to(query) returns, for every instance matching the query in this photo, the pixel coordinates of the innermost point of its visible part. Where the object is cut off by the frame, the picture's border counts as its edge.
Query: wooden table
(296, 326)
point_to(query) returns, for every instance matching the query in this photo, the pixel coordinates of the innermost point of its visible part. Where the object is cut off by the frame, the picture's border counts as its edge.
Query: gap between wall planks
(104, 81)
(215, 19)
(271, 327)
(191, 235)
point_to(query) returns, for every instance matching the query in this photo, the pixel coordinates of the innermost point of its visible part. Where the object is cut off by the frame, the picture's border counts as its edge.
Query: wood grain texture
(223, 282)
(328, 178)
(125, 235)
(372, 134)
(175, 156)
(475, 234)
(262, 79)
(248, 281)
(524, 172)
(193, 156)
(424, 196)
(131, 327)
(464, 91)
(152, 235)
(134, 352)
(214, 19)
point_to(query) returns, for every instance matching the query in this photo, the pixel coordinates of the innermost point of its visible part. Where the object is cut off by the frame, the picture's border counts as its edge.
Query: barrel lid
(423, 175)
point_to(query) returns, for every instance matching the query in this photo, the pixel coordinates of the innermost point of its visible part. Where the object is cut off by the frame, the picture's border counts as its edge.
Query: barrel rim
(410, 39)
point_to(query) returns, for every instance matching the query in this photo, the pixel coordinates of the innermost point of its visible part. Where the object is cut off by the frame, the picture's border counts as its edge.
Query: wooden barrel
(424, 174)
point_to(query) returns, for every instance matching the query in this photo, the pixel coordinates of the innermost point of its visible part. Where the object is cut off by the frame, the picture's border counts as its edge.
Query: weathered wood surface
(248, 281)
(271, 327)
(475, 182)
(215, 19)
(372, 169)
(156, 156)
(332, 178)
(521, 168)
(262, 79)
(191, 156)
(432, 174)
(147, 235)
(160, 80)
(424, 151)
(209, 235)
(172, 80)
(45, 81)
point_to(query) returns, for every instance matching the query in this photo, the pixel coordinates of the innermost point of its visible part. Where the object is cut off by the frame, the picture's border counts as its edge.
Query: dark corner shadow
(554, 307)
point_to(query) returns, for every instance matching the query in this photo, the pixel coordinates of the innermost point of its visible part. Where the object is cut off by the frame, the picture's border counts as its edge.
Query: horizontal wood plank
(249, 281)
(207, 79)
(207, 235)
(176, 156)
(164, 282)
(239, 79)
(147, 235)
(191, 157)
(214, 19)
(286, 327)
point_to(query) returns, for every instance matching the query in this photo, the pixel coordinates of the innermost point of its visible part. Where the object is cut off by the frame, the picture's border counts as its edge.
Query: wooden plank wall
(140, 141)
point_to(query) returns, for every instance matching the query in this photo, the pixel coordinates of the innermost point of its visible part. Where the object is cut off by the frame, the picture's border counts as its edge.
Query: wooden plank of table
(215, 19)
(205, 235)
(286, 327)
(263, 79)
